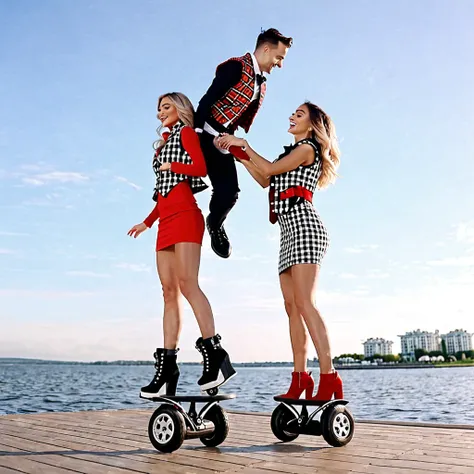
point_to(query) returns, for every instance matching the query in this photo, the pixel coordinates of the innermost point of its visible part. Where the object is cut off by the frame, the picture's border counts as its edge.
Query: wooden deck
(99, 442)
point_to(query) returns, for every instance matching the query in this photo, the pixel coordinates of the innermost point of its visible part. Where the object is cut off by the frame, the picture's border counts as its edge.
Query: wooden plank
(45, 453)
(7, 470)
(117, 442)
(110, 456)
(355, 441)
(203, 455)
(456, 444)
(15, 459)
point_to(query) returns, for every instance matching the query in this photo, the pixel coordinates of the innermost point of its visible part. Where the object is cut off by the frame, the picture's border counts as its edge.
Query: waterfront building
(457, 341)
(429, 341)
(377, 346)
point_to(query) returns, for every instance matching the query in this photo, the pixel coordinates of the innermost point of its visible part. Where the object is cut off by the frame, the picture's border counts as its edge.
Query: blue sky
(78, 88)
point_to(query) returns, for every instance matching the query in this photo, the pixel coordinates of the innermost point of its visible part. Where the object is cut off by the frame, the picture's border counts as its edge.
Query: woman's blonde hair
(185, 112)
(324, 132)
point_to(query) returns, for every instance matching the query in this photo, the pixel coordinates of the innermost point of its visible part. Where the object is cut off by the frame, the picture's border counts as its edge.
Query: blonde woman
(179, 166)
(308, 164)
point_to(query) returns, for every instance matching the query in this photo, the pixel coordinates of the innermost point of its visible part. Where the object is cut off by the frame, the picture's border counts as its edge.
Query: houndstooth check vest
(173, 151)
(303, 176)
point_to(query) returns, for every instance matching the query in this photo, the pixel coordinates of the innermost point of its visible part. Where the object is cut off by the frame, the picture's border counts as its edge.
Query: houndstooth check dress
(303, 236)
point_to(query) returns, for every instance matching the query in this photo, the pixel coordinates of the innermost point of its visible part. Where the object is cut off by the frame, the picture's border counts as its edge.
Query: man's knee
(226, 195)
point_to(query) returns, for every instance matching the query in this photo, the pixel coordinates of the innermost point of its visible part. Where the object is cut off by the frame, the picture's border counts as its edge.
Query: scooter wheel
(337, 424)
(221, 423)
(212, 391)
(166, 429)
(281, 416)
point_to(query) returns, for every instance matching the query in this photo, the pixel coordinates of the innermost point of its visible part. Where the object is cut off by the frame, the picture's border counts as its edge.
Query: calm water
(428, 395)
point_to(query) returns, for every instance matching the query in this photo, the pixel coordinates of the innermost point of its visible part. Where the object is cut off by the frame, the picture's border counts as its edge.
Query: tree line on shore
(460, 355)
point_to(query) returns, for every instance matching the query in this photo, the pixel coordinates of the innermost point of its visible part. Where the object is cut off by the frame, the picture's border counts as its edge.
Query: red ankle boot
(300, 382)
(329, 385)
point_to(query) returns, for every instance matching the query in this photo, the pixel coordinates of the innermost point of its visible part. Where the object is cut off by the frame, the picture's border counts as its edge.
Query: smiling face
(167, 112)
(300, 121)
(272, 56)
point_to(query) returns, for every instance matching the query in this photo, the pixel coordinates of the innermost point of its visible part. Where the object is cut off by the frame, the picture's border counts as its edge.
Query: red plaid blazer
(232, 106)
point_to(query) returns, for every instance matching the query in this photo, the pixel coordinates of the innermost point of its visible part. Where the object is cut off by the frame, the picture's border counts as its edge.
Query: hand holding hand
(165, 167)
(226, 141)
(216, 140)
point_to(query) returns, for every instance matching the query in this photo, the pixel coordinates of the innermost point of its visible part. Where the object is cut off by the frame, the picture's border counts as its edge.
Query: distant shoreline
(19, 361)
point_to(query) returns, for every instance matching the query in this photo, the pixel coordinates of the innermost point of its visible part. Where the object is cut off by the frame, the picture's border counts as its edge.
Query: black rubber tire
(280, 417)
(337, 424)
(175, 422)
(212, 392)
(221, 422)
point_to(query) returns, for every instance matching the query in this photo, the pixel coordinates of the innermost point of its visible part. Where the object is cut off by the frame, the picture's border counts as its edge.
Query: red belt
(297, 191)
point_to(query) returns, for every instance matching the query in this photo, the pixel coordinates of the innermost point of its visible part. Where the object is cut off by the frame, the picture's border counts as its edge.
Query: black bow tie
(260, 78)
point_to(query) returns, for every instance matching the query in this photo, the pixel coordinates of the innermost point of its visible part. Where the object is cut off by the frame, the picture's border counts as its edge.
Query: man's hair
(273, 36)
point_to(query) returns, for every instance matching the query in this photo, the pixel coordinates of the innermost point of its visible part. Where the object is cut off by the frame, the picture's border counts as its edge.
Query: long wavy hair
(185, 113)
(324, 132)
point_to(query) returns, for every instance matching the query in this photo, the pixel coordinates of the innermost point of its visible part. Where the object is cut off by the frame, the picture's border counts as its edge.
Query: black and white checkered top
(303, 236)
(304, 176)
(173, 151)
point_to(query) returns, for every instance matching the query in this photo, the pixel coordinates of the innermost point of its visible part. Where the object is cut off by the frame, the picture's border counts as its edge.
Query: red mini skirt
(184, 226)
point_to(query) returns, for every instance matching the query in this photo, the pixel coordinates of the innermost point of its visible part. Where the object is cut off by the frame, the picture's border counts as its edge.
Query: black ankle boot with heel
(166, 377)
(217, 368)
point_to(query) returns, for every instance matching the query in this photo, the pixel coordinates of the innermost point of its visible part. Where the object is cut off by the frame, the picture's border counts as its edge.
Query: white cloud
(347, 276)
(19, 293)
(55, 177)
(28, 167)
(374, 274)
(50, 200)
(7, 252)
(241, 257)
(464, 261)
(133, 267)
(260, 303)
(361, 248)
(12, 234)
(360, 292)
(465, 232)
(377, 274)
(126, 181)
(33, 181)
(86, 273)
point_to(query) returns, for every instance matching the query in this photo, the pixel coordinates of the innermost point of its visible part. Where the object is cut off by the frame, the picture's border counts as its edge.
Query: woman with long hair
(309, 164)
(179, 166)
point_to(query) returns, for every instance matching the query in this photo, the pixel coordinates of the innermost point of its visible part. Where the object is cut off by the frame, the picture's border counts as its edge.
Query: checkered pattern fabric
(303, 237)
(172, 151)
(305, 176)
(237, 99)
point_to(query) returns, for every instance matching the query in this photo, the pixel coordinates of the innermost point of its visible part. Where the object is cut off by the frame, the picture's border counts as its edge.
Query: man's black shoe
(219, 240)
